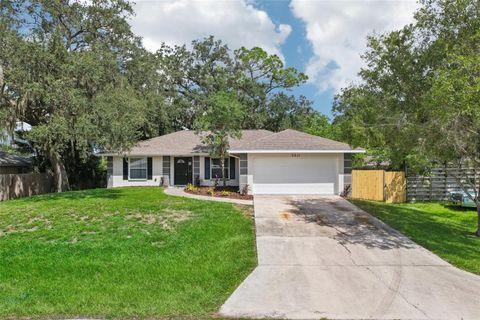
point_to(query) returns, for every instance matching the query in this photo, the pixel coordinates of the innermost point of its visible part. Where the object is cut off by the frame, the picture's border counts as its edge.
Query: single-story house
(261, 161)
(13, 164)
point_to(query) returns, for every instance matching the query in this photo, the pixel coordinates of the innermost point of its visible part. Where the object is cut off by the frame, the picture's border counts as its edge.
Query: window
(138, 168)
(216, 168)
(347, 163)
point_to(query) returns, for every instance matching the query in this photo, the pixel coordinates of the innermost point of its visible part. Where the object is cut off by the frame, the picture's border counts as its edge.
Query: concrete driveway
(324, 257)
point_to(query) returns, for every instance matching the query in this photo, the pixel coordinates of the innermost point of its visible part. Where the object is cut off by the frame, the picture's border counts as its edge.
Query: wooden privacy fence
(24, 185)
(379, 185)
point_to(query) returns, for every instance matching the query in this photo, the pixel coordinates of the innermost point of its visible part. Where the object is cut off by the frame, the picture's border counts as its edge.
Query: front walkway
(324, 257)
(181, 193)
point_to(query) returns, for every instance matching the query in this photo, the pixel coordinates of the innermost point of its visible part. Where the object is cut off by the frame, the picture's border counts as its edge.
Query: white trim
(296, 151)
(126, 155)
(146, 169)
(284, 174)
(229, 151)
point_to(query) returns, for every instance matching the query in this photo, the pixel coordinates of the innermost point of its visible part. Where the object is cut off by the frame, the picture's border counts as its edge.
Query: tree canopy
(221, 121)
(75, 72)
(63, 70)
(259, 80)
(419, 100)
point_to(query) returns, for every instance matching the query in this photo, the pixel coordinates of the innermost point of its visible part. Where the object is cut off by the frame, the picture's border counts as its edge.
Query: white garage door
(299, 174)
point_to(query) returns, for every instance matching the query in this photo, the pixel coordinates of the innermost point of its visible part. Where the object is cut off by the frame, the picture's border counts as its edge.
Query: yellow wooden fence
(379, 185)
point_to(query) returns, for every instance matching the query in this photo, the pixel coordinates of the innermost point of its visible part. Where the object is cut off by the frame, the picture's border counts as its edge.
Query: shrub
(225, 193)
(211, 192)
(244, 190)
(190, 187)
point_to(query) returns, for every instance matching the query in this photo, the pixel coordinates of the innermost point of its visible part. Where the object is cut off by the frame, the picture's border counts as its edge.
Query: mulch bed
(233, 192)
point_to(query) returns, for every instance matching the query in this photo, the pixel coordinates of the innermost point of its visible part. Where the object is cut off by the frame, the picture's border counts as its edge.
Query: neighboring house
(287, 162)
(370, 162)
(13, 164)
(10, 139)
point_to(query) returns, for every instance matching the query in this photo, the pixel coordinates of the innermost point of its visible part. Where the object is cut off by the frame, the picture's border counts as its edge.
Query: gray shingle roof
(11, 160)
(288, 140)
(187, 142)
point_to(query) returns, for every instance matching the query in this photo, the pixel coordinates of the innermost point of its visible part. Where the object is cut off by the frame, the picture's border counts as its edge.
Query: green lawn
(446, 230)
(129, 252)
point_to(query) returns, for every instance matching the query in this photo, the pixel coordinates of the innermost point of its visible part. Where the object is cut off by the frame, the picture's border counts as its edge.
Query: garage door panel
(284, 174)
(294, 188)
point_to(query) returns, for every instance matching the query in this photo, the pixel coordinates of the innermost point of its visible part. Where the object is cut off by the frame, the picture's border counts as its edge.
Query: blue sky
(297, 51)
(323, 38)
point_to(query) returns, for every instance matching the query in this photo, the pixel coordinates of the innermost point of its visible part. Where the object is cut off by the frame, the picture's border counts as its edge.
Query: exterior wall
(295, 173)
(341, 173)
(196, 169)
(345, 176)
(334, 177)
(117, 177)
(172, 171)
(250, 159)
(202, 171)
(109, 172)
(243, 173)
(166, 170)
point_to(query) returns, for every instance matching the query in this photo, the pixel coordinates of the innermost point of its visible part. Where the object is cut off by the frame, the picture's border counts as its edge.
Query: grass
(128, 252)
(446, 230)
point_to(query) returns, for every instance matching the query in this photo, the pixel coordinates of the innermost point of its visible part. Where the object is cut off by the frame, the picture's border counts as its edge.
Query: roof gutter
(230, 151)
(150, 154)
(298, 151)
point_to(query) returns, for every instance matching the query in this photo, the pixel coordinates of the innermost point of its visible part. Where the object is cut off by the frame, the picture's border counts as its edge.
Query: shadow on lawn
(447, 231)
(100, 193)
(353, 226)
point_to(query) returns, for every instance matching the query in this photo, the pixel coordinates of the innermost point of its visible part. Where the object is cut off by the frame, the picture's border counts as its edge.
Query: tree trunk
(59, 172)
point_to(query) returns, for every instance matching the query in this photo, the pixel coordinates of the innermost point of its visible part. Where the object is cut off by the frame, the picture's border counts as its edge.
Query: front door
(183, 171)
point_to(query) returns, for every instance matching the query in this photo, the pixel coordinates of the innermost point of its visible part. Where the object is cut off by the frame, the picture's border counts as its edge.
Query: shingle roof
(289, 140)
(187, 142)
(11, 160)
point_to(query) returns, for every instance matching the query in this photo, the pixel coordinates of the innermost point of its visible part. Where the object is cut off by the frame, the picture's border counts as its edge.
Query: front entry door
(183, 171)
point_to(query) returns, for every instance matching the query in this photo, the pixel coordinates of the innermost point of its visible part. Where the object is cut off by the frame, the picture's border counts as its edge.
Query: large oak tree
(65, 69)
(258, 79)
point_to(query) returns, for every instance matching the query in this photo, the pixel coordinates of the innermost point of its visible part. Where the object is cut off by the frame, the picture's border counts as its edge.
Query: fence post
(431, 188)
(445, 177)
(384, 186)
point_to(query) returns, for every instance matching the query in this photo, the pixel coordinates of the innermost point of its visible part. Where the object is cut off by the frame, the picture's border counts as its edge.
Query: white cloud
(178, 22)
(337, 31)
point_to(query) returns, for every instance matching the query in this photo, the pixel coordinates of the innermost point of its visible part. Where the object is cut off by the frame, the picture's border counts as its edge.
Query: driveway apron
(324, 257)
